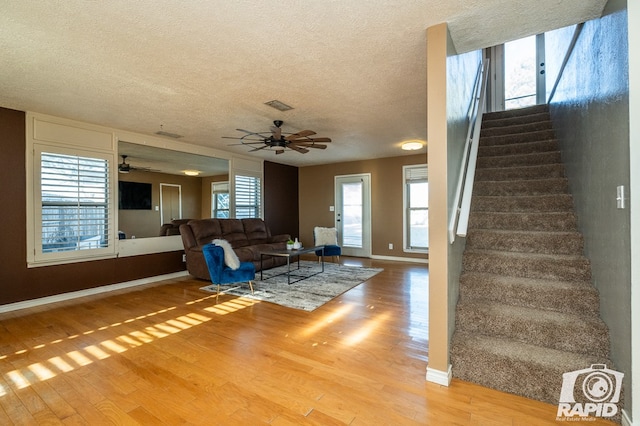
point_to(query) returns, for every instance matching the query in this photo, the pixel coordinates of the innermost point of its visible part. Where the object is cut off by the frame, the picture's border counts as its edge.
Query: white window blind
(75, 202)
(247, 196)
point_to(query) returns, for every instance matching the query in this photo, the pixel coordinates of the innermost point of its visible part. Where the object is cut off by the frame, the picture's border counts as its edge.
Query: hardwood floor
(167, 354)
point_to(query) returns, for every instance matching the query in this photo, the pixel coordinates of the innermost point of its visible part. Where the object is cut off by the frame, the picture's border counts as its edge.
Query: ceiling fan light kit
(278, 141)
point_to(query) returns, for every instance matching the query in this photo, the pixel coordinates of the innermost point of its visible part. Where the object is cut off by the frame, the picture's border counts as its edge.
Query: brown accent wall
(317, 195)
(281, 198)
(19, 283)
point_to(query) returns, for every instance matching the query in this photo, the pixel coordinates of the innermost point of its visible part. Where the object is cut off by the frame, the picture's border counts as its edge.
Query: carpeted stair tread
(518, 148)
(516, 128)
(577, 297)
(539, 135)
(535, 158)
(529, 265)
(533, 221)
(542, 171)
(544, 242)
(509, 121)
(523, 203)
(551, 329)
(522, 187)
(519, 368)
(515, 113)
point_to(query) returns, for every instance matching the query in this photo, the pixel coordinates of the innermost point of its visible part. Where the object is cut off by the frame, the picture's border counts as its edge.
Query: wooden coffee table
(292, 254)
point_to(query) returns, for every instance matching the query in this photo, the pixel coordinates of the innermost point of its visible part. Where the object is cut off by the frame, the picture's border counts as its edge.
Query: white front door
(353, 214)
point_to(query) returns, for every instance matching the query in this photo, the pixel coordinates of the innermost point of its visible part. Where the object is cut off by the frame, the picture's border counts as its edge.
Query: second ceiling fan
(279, 141)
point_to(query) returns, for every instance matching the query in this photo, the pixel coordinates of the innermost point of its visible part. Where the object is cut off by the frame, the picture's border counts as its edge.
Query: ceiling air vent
(167, 134)
(280, 106)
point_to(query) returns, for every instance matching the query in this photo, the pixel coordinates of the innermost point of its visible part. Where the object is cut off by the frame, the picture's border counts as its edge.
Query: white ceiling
(354, 70)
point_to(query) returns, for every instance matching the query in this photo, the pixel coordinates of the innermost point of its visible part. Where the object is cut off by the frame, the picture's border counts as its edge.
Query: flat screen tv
(134, 195)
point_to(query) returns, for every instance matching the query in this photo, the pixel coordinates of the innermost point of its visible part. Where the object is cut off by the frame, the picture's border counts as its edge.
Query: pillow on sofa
(230, 256)
(325, 236)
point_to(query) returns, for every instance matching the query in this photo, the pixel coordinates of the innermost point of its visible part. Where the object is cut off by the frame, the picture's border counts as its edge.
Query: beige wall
(316, 194)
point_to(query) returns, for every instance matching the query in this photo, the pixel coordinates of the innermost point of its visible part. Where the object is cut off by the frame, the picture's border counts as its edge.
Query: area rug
(307, 294)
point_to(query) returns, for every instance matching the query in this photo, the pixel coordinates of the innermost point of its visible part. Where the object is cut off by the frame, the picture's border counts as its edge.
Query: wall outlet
(184, 258)
(390, 246)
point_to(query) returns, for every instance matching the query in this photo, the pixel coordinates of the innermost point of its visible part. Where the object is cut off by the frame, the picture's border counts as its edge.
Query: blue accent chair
(329, 249)
(221, 274)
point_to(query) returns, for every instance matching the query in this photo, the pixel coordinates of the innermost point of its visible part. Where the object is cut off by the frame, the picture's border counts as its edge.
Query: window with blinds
(416, 204)
(248, 196)
(220, 200)
(74, 197)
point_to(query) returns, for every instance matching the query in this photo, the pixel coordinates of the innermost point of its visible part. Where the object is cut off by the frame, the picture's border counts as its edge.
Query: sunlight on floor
(366, 329)
(40, 371)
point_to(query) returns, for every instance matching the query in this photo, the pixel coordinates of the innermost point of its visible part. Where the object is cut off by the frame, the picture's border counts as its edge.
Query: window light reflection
(45, 370)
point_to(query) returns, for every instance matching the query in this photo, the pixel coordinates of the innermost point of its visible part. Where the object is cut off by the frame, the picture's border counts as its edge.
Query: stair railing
(459, 220)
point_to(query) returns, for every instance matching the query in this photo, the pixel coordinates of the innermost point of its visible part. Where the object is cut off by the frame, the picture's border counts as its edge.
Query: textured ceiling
(353, 70)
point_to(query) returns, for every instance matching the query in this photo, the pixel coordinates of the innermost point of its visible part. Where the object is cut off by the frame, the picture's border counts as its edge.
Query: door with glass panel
(353, 214)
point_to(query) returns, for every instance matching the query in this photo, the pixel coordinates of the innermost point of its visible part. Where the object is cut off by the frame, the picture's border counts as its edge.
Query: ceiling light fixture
(412, 145)
(191, 172)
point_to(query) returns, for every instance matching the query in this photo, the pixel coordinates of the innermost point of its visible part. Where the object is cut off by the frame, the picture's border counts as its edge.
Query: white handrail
(459, 219)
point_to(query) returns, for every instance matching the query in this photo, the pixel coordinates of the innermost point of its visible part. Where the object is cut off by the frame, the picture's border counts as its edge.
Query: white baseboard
(439, 377)
(400, 259)
(626, 421)
(88, 292)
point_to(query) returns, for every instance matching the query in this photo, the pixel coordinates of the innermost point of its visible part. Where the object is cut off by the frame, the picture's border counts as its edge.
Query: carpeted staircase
(527, 310)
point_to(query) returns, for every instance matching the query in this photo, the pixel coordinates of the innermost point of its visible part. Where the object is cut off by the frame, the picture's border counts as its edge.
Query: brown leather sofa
(172, 228)
(247, 237)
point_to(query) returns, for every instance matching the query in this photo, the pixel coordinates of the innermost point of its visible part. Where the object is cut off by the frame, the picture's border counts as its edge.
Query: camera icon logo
(591, 391)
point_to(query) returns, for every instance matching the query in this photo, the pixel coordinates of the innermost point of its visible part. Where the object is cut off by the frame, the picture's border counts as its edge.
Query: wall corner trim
(440, 377)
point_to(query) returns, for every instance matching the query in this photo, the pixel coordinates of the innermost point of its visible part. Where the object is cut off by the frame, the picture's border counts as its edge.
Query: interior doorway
(170, 202)
(353, 214)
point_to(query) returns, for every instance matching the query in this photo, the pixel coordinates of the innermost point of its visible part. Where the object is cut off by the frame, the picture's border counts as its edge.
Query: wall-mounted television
(134, 195)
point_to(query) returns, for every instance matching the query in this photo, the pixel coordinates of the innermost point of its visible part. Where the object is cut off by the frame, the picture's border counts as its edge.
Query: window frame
(406, 214)
(214, 199)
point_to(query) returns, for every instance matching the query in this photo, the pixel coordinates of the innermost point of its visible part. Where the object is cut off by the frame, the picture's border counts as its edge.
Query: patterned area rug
(307, 294)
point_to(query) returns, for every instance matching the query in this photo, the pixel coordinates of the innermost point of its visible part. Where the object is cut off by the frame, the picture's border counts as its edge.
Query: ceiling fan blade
(300, 134)
(247, 131)
(258, 148)
(312, 140)
(299, 149)
(244, 138)
(279, 151)
(311, 145)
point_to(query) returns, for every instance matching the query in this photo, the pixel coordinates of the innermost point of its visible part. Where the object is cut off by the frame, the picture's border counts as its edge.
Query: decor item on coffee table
(221, 273)
(308, 294)
(327, 237)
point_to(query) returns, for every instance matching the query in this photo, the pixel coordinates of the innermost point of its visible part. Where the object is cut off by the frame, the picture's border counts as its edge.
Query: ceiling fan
(279, 141)
(125, 167)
